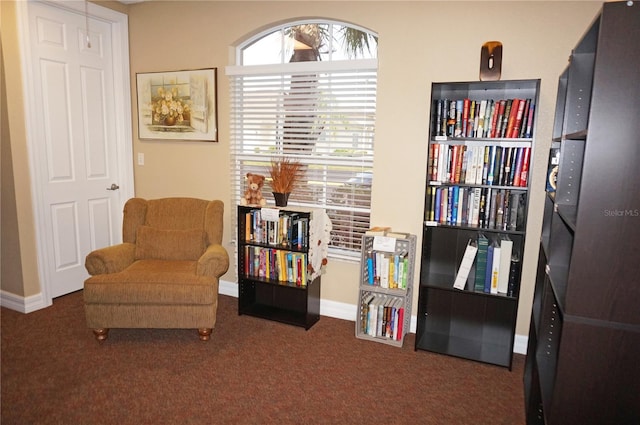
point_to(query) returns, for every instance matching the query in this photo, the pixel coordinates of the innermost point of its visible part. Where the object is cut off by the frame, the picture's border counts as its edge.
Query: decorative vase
(169, 121)
(281, 199)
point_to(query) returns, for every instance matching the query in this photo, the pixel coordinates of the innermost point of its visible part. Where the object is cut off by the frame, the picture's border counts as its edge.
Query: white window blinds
(321, 114)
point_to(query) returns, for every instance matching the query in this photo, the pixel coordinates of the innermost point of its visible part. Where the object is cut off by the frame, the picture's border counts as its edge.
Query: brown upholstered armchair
(164, 274)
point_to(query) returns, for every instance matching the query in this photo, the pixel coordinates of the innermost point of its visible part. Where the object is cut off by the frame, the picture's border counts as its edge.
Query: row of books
(275, 264)
(487, 118)
(487, 208)
(382, 316)
(386, 269)
(487, 165)
(497, 266)
(290, 229)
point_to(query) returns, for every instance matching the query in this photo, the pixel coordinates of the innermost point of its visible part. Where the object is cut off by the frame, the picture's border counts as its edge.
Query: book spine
(529, 129)
(514, 277)
(520, 116)
(370, 271)
(455, 190)
(458, 159)
(499, 119)
(449, 192)
(481, 264)
(436, 205)
(437, 123)
(489, 270)
(480, 127)
(465, 116)
(505, 117)
(465, 265)
(451, 118)
(444, 202)
(458, 126)
(513, 114)
(524, 169)
(432, 208)
(485, 164)
(435, 153)
(517, 170)
(495, 268)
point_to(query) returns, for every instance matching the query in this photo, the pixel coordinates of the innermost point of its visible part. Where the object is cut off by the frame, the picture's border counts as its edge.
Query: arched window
(307, 91)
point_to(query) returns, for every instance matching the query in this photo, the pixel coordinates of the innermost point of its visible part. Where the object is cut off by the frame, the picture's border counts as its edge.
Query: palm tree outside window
(307, 90)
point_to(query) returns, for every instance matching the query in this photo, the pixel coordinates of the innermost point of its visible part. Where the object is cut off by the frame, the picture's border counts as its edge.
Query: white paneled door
(78, 138)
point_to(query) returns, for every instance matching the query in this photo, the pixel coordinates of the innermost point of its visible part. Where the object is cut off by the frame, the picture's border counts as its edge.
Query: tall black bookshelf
(584, 340)
(480, 150)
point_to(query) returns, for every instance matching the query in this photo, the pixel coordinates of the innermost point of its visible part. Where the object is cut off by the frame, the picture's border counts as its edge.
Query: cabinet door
(466, 325)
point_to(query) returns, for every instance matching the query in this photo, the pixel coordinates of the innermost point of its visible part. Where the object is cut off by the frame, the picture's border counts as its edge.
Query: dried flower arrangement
(285, 174)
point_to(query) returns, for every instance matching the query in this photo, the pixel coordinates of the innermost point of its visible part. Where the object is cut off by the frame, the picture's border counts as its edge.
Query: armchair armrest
(214, 261)
(111, 259)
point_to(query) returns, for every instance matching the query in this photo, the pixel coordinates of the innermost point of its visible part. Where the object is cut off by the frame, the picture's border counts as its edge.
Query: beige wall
(10, 262)
(419, 43)
(18, 229)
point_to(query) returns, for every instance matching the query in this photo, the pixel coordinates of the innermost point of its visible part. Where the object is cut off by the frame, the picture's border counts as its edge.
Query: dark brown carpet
(252, 371)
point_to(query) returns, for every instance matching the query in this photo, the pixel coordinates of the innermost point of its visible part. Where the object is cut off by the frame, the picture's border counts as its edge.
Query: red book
(524, 171)
(430, 162)
(515, 131)
(505, 118)
(435, 148)
(518, 165)
(400, 323)
(459, 156)
(529, 128)
(513, 113)
(497, 119)
(465, 116)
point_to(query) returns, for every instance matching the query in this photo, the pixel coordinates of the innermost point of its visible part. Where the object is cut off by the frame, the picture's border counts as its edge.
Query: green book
(481, 262)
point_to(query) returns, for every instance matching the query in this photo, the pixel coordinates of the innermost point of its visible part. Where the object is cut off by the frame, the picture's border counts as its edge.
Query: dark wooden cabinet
(274, 278)
(582, 358)
(473, 323)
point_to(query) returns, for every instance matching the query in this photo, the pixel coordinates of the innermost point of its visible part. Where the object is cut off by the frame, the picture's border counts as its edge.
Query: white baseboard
(228, 288)
(22, 304)
(349, 312)
(328, 308)
(520, 344)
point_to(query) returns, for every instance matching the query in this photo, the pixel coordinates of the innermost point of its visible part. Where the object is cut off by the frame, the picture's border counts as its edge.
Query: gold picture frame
(178, 105)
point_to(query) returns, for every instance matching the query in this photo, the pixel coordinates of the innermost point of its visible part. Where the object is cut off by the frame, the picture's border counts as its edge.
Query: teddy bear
(253, 194)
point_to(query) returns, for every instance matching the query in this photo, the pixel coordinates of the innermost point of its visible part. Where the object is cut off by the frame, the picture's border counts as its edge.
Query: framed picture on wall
(178, 105)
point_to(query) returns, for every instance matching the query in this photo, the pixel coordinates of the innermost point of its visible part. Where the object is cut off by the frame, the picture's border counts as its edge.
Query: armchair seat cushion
(153, 282)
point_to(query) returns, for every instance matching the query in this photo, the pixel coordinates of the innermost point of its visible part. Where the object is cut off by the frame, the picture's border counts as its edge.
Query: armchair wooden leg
(101, 334)
(204, 333)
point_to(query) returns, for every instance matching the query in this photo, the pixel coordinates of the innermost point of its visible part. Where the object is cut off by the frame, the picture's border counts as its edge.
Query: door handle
(113, 187)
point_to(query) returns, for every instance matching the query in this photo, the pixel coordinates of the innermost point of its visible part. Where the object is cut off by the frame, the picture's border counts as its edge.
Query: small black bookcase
(273, 280)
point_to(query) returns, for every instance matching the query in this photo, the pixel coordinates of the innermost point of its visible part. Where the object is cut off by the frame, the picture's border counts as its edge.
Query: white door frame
(122, 99)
